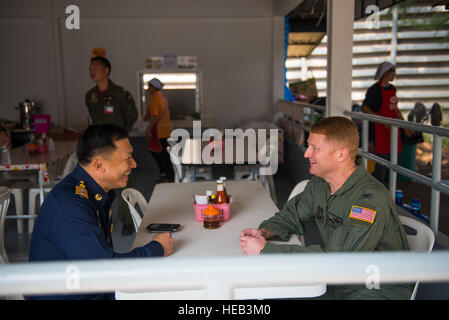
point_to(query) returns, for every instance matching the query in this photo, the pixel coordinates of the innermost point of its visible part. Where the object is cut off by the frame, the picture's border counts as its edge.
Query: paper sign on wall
(99, 52)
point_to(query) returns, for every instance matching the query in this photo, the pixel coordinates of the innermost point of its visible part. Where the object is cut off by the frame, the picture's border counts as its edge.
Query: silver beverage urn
(27, 110)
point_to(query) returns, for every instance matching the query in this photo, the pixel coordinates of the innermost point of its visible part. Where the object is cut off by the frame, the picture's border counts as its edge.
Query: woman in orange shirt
(159, 128)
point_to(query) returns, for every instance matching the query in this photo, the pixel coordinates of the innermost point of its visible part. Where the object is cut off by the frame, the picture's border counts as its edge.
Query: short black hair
(98, 139)
(105, 62)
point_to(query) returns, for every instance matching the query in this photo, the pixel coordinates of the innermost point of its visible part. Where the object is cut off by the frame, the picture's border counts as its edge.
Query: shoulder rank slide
(81, 190)
(363, 214)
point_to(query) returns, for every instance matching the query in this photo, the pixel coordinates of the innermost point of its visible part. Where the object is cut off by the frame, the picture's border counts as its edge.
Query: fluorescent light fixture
(173, 78)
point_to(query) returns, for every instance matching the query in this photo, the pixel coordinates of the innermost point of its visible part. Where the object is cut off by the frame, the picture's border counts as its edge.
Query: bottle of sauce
(6, 156)
(42, 143)
(211, 218)
(212, 198)
(32, 145)
(221, 196)
(224, 188)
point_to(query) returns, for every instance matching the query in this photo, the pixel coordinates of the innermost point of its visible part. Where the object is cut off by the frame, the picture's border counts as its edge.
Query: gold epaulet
(81, 190)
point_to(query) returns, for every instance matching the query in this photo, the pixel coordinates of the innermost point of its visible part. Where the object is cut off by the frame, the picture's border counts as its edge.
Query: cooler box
(42, 123)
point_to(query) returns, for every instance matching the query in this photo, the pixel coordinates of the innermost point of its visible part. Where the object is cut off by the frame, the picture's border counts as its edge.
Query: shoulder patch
(361, 213)
(81, 190)
(93, 97)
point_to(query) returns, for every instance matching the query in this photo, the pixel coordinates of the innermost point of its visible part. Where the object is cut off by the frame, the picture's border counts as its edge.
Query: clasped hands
(252, 241)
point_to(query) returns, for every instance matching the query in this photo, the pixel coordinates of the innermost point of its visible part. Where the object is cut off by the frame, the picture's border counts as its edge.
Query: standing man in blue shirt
(74, 221)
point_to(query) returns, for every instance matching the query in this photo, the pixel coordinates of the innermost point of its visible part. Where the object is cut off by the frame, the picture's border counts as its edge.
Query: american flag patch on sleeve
(363, 214)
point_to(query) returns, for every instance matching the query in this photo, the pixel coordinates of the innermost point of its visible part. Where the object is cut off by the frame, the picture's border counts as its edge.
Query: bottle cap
(223, 178)
(213, 196)
(219, 181)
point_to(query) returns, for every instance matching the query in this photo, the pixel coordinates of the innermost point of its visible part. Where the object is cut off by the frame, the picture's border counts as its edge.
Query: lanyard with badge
(108, 107)
(104, 221)
(107, 226)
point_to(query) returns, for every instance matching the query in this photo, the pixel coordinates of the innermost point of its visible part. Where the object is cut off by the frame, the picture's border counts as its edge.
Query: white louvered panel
(422, 61)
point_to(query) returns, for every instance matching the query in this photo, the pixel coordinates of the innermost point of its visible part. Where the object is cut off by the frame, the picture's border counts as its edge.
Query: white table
(172, 203)
(42, 162)
(48, 165)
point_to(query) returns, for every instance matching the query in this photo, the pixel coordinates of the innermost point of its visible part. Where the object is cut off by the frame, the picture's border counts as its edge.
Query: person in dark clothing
(381, 100)
(74, 222)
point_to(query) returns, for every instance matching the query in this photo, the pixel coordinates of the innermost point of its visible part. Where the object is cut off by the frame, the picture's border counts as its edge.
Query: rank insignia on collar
(363, 214)
(81, 190)
(98, 197)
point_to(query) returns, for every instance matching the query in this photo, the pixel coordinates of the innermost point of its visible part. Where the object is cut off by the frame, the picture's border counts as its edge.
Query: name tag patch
(109, 109)
(363, 214)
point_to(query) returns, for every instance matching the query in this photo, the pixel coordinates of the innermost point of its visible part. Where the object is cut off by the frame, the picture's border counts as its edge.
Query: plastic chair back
(423, 240)
(176, 163)
(298, 188)
(5, 195)
(71, 163)
(133, 197)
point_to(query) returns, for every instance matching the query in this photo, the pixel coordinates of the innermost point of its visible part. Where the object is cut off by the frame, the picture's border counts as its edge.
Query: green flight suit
(115, 106)
(379, 230)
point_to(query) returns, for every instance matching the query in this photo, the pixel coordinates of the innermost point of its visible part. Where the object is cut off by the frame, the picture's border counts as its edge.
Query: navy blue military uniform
(74, 223)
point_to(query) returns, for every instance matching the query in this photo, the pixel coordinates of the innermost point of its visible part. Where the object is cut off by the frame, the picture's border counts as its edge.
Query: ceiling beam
(284, 7)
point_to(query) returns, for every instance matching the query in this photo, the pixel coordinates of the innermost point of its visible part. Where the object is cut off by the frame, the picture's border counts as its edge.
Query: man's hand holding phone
(166, 241)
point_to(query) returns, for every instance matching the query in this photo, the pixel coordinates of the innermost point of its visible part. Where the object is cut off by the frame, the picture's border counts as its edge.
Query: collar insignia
(98, 197)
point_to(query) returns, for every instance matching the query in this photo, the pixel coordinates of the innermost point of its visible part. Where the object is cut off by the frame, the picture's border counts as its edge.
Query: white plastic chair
(298, 188)
(242, 172)
(5, 195)
(16, 187)
(18, 202)
(182, 174)
(133, 197)
(71, 163)
(423, 240)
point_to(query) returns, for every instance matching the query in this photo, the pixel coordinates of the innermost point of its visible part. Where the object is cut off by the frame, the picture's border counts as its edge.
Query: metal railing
(394, 168)
(435, 182)
(219, 276)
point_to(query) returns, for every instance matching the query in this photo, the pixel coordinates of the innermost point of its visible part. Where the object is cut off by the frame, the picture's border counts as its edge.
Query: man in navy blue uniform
(74, 222)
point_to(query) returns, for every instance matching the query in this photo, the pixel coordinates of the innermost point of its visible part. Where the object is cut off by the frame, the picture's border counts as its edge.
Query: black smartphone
(163, 227)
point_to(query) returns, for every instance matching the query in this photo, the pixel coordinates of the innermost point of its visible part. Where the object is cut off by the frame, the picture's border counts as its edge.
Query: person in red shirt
(381, 100)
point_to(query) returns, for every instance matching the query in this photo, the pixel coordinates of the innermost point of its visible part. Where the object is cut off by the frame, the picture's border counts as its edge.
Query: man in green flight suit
(108, 102)
(353, 210)
(111, 104)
